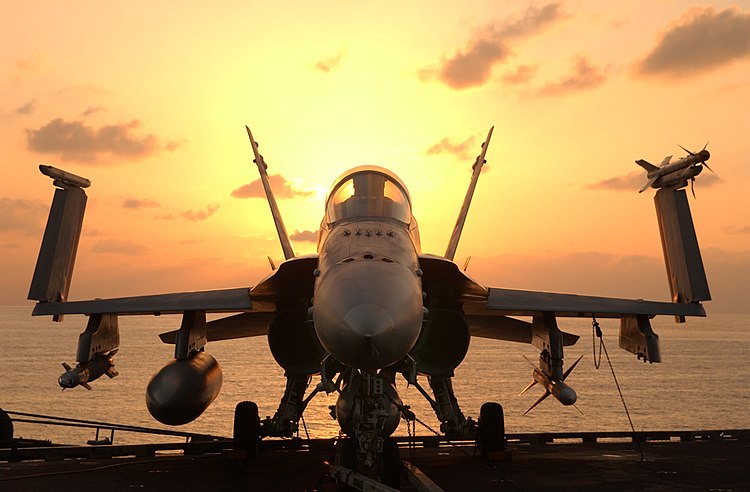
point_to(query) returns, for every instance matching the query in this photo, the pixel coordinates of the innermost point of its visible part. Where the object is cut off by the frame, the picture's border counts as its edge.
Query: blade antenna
(450, 252)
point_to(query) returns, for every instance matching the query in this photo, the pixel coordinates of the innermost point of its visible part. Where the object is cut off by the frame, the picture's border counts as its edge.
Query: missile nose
(65, 381)
(567, 396)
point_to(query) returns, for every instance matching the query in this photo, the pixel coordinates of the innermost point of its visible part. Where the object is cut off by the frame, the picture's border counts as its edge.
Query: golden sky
(149, 100)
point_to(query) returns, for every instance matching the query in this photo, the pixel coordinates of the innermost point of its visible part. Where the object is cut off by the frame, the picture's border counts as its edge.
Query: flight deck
(614, 461)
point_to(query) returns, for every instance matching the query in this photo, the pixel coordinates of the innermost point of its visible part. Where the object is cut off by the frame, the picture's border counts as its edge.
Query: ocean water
(702, 383)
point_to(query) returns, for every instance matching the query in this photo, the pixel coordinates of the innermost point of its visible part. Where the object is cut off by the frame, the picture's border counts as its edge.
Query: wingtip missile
(675, 174)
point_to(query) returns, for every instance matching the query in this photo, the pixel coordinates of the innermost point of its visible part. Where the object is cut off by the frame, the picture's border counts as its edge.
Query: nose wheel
(246, 428)
(491, 430)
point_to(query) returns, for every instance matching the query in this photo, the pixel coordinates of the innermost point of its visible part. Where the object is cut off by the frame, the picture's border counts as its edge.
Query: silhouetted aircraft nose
(368, 314)
(369, 320)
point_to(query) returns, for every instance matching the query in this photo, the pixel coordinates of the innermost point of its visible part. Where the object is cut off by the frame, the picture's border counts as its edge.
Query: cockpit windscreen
(368, 194)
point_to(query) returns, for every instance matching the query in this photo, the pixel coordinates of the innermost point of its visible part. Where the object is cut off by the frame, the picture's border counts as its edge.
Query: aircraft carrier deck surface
(676, 461)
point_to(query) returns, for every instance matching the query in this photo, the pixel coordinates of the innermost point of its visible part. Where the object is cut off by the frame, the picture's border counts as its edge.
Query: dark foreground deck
(709, 461)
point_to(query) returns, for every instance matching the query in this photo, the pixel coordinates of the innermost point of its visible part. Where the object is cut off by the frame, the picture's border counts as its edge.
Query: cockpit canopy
(368, 191)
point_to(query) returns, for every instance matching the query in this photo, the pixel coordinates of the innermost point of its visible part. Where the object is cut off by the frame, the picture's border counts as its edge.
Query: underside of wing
(499, 327)
(241, 325)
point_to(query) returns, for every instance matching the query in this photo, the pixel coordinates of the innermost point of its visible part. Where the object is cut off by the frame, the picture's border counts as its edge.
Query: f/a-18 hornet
(369, 306)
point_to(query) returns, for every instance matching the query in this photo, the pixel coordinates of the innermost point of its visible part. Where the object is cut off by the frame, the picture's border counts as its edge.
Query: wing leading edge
(211, 301)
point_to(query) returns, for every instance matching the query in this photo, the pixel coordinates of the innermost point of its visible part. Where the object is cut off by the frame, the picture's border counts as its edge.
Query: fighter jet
(676, 174)
(367, 308)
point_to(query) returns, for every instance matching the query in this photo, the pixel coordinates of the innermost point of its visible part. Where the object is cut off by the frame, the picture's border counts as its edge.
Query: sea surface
(703, 382)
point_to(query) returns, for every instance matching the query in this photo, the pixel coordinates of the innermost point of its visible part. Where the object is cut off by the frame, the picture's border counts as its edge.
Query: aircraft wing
(293, 280)
(529, 303)
(489, 310)
(212, 301)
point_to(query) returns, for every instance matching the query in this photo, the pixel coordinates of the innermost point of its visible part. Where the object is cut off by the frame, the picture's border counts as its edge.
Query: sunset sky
(149, 101)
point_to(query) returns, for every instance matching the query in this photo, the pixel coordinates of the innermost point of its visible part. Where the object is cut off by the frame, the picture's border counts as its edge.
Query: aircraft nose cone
(368, 316)
(368, 320)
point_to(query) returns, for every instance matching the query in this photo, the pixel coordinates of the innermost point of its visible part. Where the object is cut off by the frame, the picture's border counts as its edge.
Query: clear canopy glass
(368, 193)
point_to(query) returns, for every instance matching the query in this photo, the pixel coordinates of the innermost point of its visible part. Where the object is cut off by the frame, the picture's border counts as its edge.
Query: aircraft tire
(6, 427)
(392, 465)
(491, 435)
(246, 428)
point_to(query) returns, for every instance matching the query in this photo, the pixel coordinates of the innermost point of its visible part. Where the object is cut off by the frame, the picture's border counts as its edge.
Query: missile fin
(540, 400)
(646, 165)
(570, 369)
(527, 388)
(648, 184)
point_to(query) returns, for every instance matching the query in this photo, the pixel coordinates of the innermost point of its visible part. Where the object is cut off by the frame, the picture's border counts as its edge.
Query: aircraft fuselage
(367, 305)
(367, 302)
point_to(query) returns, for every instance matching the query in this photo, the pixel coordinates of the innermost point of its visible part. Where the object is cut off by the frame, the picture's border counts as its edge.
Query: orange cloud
(702, 39)
(472, 66)
(305, 236)
(199, 215)
(329, 64)
(461, 150)
(583, 76)
(27, 108)
(521, 75)
(137, 203)
(280, 186)
(74, 140)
